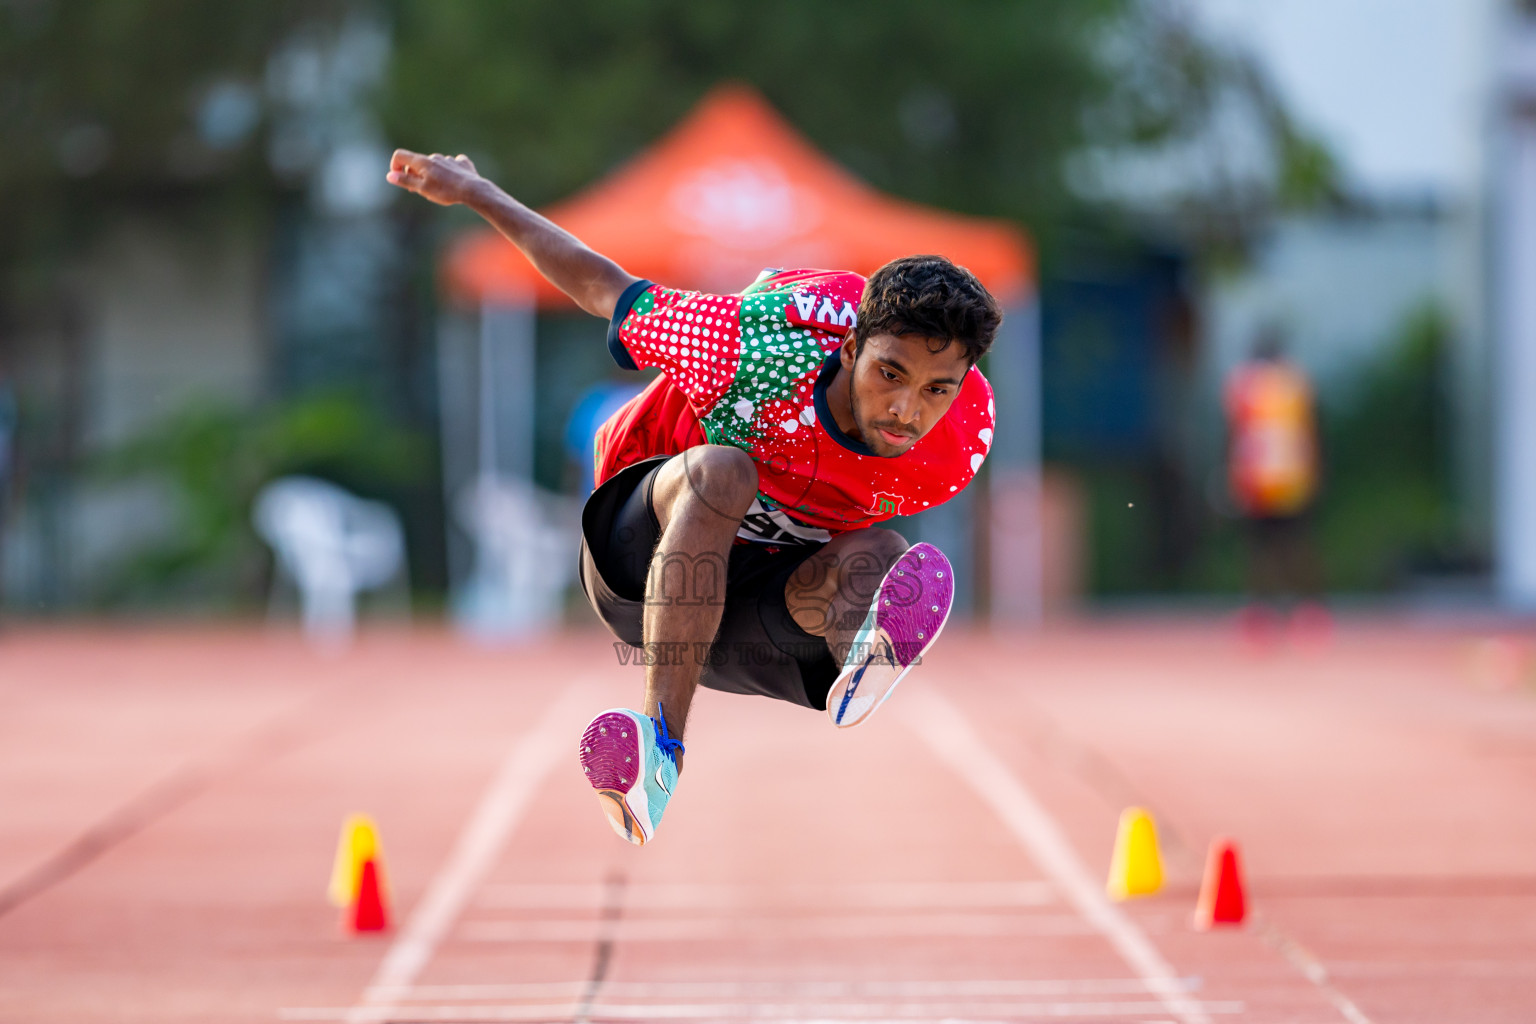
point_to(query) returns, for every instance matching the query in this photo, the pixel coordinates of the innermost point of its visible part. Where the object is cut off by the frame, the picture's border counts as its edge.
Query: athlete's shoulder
(823, 282)
(959, 442)
(694, 337)
(823, 300)
(974, 408)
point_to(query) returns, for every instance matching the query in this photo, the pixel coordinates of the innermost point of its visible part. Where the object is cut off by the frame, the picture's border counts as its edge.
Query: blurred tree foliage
(113, 104)
(970, 105)
(974, 106)
(1389, 510)
(215, 459)
(107, 105)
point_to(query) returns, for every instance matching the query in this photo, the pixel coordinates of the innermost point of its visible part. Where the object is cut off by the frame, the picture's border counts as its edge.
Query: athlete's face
(900, 387)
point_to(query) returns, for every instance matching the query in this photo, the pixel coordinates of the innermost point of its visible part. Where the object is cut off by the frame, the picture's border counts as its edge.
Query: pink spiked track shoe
(905, 618)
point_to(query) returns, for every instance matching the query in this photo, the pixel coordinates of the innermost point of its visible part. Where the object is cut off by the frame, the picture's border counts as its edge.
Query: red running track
(171, 800)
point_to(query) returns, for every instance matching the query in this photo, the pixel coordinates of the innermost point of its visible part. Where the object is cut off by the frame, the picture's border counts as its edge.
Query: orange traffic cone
(1222, 902)
(368, 913)
(358, 884)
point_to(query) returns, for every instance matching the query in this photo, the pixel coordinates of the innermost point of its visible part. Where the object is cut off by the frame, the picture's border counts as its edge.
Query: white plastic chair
(333, 545)
(525, 553)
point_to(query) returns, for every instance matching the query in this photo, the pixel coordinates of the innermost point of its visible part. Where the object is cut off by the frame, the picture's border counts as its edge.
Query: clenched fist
(444, 180)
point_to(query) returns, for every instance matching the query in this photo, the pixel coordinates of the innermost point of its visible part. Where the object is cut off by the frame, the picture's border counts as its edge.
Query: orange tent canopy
(730, 190)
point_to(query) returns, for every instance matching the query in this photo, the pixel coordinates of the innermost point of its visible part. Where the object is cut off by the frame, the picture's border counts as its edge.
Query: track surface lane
(1380, 788)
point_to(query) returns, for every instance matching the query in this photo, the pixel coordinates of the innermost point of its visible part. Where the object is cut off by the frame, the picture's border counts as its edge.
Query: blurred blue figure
(592, 410)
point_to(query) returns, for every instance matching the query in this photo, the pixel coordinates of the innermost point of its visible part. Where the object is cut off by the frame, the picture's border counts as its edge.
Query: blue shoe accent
(631, 760)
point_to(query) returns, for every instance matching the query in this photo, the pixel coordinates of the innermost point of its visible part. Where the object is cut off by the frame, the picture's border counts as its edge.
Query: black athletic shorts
(760, 648)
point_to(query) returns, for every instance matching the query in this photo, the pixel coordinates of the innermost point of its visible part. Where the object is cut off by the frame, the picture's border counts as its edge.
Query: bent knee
(722, 476)
(866, 555)
(886, 543)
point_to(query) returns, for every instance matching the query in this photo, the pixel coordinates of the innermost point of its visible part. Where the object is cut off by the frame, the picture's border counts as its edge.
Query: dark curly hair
(930, 297)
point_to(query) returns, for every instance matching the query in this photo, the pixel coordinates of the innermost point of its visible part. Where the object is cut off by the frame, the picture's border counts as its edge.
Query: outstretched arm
(591, 279)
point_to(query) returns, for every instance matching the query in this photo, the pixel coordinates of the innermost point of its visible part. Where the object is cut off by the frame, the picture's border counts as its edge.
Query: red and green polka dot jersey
(741, 370)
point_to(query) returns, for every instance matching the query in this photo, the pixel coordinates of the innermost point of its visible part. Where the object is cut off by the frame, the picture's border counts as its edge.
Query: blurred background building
(206, 285)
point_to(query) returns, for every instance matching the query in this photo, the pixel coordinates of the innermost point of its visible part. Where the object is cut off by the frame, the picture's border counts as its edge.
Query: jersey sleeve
(692, 337)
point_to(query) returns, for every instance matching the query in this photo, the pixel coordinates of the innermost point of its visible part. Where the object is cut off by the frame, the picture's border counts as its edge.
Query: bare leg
(699, 498)
(829, 594)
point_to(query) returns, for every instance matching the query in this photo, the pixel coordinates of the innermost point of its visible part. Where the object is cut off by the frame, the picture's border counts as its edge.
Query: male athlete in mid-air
(732, 533)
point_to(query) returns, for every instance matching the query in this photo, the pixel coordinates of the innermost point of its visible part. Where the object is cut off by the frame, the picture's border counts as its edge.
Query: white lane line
(937, 722)
(865, 1011)
(710, 929)
(722, 896)
(1311, 969)
(521, 774)
(785, 990)
(951, 1013)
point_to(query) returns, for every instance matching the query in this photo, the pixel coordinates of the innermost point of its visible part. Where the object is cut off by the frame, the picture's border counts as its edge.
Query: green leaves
(212, 462)
(974, 106)
(971, 105)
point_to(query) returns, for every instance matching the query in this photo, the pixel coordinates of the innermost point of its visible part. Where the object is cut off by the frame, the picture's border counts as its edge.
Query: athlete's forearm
(593, 281)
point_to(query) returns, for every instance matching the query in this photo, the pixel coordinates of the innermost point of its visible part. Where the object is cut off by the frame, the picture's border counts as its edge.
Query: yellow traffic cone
(1136, 869)
(357, 876)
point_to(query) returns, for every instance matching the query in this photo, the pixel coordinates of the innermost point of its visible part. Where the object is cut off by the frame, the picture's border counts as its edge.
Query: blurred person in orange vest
(1273, 470)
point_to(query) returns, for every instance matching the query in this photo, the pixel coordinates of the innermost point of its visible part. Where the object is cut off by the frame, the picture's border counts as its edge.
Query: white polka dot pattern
(694, 337)
(748, 365)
